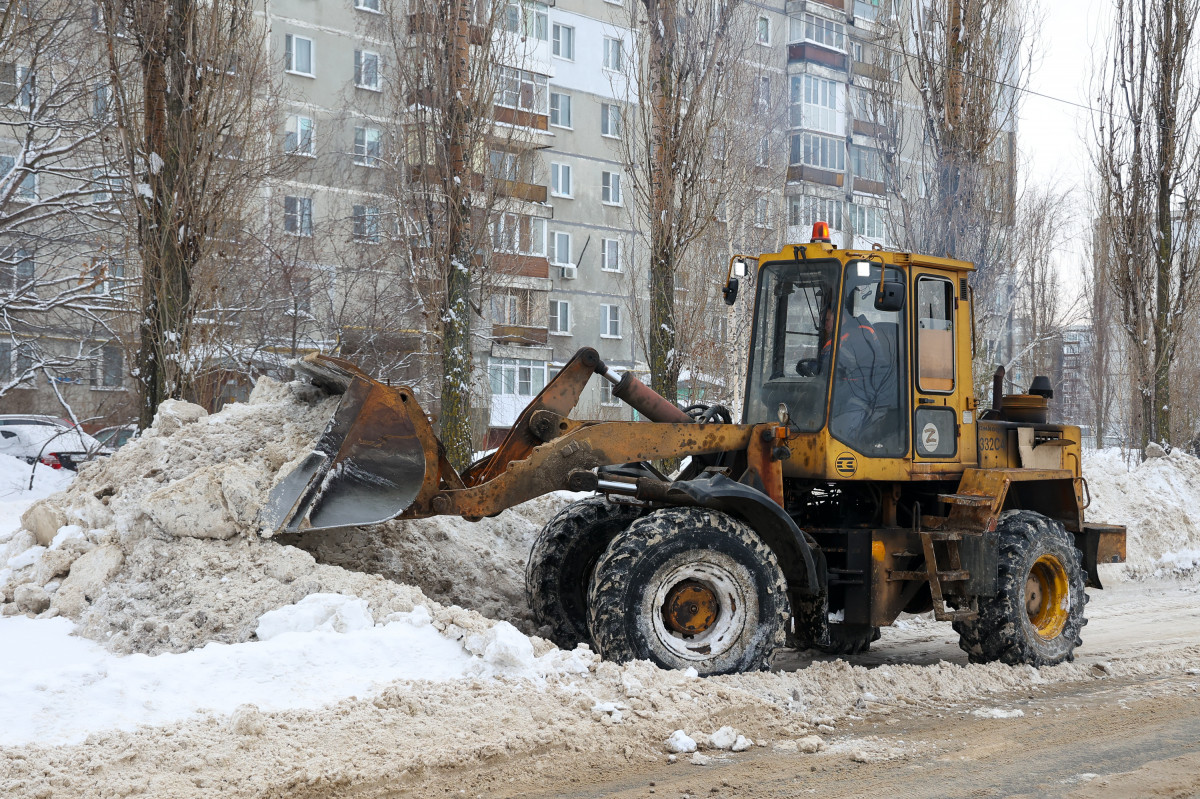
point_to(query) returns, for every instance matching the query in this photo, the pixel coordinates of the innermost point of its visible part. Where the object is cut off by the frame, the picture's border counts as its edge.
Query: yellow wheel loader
(862, 482)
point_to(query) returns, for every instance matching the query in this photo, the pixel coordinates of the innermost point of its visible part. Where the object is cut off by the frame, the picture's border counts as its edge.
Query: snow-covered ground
(145, 594)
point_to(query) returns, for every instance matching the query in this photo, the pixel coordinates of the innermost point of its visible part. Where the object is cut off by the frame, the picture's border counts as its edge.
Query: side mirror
(730, 291)
(889, 296)
(739, 267)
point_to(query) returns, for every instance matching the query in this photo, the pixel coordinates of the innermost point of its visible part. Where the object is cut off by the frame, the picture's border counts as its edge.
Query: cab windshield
(792, 298)
(817, 323)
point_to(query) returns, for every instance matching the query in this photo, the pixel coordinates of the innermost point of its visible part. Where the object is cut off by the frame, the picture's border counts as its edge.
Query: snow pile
(1158, 500)
(165, 553)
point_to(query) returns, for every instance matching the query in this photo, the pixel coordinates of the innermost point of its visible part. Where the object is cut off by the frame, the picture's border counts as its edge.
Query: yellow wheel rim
(691, 608)
(1047, 597)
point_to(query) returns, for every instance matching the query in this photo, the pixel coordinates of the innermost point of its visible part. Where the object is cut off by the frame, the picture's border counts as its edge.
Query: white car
(52, 441)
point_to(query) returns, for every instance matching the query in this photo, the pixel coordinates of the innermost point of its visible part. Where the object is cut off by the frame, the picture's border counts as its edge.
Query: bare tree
(193, 115)
(950, 168)
(60, 289)
(699, 108)
(1147, 160)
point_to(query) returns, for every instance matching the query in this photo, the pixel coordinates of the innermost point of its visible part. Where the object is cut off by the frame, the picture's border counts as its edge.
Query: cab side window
(935, 335)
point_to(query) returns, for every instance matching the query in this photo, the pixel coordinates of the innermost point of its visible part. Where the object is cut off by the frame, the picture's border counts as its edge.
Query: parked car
(116, 436)
(53, 441)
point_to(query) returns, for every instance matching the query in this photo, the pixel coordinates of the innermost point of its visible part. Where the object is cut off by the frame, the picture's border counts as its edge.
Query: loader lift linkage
(863, 482)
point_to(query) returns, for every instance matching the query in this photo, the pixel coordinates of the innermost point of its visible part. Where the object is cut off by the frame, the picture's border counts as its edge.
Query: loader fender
(774, 526)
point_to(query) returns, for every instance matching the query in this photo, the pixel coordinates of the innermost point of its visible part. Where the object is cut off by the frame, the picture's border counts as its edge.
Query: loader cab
(863, 350)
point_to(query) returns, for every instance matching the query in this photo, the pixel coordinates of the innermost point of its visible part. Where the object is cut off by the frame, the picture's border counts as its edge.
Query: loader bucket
(367, 467)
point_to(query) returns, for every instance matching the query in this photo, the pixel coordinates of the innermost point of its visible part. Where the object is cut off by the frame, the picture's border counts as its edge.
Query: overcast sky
(1052, 135)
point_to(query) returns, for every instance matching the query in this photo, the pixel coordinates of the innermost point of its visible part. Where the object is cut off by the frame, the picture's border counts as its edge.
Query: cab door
(940, 381)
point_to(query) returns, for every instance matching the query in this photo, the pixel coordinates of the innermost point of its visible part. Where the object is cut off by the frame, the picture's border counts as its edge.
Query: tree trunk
(664, 366)
(455, 421)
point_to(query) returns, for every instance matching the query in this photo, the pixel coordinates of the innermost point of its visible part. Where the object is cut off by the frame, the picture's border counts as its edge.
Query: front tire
(689, 587)
(560, 565)
(1037, 614)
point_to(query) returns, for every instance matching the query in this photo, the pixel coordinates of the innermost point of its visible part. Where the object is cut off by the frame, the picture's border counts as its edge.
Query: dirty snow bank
(164, 552)
(1158, 500)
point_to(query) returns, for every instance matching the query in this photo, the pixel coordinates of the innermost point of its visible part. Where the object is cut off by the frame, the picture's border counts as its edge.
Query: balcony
(521, 118)
(815, 53)
(520, 334)
(508, 263)
(811, 174)
(869, 186)
(862, 69)
(423, 22)
(517, 190)
(872, 129)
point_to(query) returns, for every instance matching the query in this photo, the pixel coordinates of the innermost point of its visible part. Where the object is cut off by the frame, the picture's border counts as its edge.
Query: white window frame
(818, 100)
(762, 213)
(557, 325)
(561, 240)
(295, 129)
(758, 31)
(302, 216)
(368, 224)
(289, 55)
(613, 54)
(814, 149)
(362, 149)
(518, 368)
(562, 41)
(512, 92)
(27, 188)
(610, 253)
(368, 5)
(556, 110)
(763, 156)
(610, 188)
(23, 86)
(825, 32)
(610, 318)
(360, 70)
(763, 91)
(561, 180)
(610, 120)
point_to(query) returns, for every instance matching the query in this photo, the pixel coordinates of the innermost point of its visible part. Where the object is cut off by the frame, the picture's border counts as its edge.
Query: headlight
(784, 417)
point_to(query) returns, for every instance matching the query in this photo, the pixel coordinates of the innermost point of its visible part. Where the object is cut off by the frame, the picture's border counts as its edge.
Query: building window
(814, 103)
(823, 152)
(526, 18)
(16, 270)
(504, 166)
(108, 187)
(367, 5)
(564, 41)
(610, 317)
(560, 248)
(610, 120)
(606, 395)
(866, 164)
(515, 233)
(762, 212)
(298, 140)
(610, 188)
(762, 32)
(560, 180)
(27, 190)
(366, 70)
(112, 366)
(764, 91)
(610, 255)
(367, 223)
(805, 211)
(298, 55)
(367, 146)
(101, 101)
(612, 54)
(16, 86)
(823, 31)
(516, 376)
(560, 110)
(762, 157)
(560, 316)
(523, 90)
(297, 215)
(867, 221)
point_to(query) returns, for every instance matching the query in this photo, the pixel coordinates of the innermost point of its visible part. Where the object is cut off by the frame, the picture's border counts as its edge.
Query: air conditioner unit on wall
(568, 272)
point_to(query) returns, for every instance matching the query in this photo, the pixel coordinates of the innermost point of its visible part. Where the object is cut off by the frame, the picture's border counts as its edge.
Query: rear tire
(1037, 614)
(560, 565)
(689, 587)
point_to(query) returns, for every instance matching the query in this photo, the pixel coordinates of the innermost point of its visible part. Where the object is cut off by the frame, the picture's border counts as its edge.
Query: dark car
(117, 436)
